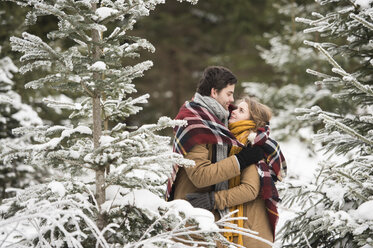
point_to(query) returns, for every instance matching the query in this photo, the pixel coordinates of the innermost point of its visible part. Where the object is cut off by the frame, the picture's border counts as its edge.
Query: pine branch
(342, 127)
(321, 49)
(318, 74)
(86, 89)
(76, 163)
(60, 14)
(116, 15)
(356, 181)
(362, 21)
(305, 237)
(349, 78)
(339, 70)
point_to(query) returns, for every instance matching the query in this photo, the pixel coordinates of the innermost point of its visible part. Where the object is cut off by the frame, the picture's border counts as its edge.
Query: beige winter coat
(204, 175)
(253, 207)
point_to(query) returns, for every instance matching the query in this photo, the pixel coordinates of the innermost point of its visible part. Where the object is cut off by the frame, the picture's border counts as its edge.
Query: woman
(252, 193)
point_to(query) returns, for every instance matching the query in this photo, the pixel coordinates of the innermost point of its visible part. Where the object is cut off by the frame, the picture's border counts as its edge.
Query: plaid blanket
(271, 170)
(203, 128)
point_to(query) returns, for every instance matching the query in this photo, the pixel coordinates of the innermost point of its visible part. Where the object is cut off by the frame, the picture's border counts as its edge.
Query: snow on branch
(35, 50)
(362, 21)
(190, 1)
(140, 43)
(51, 145)
(7, 67)
(303, 20)
(347, 10)
(119, 107)
(329, 120)
(183, 222)
(137, 70)
(349, 78)
(339, 70)
(39, 83)
(63, 105)
(64, 219)
(318, 74)
(321, 49)
(320, 25)
(53, 222)
(163, 122)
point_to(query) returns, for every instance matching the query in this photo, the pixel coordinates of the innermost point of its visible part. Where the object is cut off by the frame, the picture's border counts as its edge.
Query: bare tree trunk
(97, 130)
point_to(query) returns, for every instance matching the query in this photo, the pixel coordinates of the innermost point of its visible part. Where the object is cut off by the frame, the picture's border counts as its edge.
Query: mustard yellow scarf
(241, 130)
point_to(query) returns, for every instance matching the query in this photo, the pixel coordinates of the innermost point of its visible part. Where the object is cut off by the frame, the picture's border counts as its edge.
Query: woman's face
(241, 113)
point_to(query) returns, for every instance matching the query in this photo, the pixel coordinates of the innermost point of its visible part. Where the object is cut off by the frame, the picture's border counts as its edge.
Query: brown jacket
(204, 175)
(254, 209)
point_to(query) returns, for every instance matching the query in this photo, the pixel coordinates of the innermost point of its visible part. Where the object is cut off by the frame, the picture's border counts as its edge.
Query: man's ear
(214, 93)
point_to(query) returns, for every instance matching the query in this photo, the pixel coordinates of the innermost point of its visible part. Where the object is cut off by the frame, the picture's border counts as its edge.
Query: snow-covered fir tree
(109, 192)
(13, 114)
(290, 87)
(337, 204)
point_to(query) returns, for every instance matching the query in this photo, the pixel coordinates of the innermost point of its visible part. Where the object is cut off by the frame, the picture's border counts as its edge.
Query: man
(206, 141)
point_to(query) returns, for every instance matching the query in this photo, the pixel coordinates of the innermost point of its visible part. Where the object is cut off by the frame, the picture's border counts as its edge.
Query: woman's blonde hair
(259, 113)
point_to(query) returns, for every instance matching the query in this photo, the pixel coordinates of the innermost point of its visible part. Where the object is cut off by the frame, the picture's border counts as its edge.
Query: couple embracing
(236, 162)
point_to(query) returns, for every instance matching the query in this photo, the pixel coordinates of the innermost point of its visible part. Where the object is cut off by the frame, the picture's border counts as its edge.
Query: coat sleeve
(205, 173)
(248, 190)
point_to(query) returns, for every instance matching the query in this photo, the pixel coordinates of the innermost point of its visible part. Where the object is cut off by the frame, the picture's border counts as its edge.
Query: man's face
(225, 96)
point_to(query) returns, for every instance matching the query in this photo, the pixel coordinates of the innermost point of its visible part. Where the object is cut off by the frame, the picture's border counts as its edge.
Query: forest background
(263, 43)
(187, 38)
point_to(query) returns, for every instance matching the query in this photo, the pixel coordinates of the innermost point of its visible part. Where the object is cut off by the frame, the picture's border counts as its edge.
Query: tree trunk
(97, 130)
(100, 172)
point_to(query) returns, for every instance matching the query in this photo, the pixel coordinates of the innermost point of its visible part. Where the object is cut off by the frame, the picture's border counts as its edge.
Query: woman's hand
(249, 155)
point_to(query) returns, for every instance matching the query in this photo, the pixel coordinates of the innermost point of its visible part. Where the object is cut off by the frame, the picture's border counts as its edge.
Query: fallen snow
(57, 187)
(364, 211)
(144, 199)
(364, 4)
(105, 139)
(335, 193)
(204, 218)
(98, 66)
(104, 12)
(74, 154)
(78, 129)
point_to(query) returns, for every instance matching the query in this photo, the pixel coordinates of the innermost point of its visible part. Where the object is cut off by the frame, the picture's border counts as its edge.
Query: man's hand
(202, 200)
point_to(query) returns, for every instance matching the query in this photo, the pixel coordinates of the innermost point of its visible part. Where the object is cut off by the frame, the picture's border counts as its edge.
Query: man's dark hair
(217, 77)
